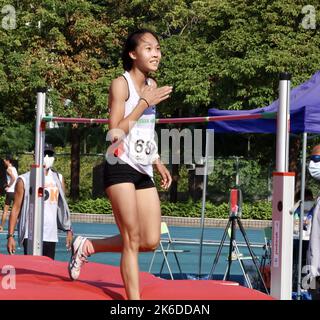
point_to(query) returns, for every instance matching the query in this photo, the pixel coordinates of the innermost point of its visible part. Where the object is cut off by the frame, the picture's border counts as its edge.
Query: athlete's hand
(155, 95)
(1, 228)
(164, 173)
(11, 245)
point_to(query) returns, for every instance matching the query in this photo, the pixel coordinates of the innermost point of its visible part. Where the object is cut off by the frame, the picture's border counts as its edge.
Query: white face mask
(48, 161)
(314, 169)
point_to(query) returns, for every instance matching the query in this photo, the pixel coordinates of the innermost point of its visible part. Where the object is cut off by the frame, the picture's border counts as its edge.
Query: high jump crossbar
(265, 115)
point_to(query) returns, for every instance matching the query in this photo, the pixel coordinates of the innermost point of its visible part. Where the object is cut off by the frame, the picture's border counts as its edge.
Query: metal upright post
(282, 202)
(35, 221)
(204, 193)
(282, 146)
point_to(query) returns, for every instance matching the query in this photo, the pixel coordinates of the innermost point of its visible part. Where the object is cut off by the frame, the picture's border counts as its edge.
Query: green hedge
(259, 210)
(253, 176)
(98, 205)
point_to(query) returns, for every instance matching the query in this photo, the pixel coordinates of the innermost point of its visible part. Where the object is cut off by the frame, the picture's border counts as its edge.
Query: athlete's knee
(150, 244)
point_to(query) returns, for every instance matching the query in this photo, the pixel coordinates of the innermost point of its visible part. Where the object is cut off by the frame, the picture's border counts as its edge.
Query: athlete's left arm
(166, 178)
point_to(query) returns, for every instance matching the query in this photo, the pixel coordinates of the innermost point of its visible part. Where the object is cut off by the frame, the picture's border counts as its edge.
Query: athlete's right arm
(15, 212)
(118, 93)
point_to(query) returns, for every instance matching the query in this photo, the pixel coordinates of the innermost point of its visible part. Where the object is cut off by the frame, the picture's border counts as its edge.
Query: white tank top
(15, 174)
(139, 146)
(51, 195)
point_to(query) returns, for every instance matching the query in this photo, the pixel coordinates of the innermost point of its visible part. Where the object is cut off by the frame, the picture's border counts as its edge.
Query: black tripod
(230, 229)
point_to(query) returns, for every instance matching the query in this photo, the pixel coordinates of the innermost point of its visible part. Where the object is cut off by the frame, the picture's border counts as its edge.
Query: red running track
(40, 278)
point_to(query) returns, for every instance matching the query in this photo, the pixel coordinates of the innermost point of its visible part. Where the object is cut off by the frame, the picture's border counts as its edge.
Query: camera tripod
(234, 218)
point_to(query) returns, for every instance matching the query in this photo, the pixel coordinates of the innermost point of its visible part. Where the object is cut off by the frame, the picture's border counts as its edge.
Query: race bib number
(142, 148)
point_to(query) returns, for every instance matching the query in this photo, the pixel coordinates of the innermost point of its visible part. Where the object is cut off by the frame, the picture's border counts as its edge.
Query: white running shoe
(77, 257)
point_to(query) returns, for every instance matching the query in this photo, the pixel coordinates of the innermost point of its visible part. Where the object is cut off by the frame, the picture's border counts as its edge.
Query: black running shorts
(121, 172)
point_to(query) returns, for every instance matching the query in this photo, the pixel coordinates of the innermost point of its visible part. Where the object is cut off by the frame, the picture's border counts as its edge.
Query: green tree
(15, 139)
(225, 53)
(249, 43)
(61, 45)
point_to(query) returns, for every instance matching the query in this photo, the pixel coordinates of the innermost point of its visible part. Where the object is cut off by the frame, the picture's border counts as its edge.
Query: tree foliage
(14, 138)
(224, 54)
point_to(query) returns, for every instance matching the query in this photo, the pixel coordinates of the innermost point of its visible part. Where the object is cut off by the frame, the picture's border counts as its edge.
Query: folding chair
(166, 246)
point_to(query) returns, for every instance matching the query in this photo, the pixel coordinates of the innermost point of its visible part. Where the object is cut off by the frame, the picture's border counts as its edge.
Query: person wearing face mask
(313, 254)
(314, 164)
(56, 210)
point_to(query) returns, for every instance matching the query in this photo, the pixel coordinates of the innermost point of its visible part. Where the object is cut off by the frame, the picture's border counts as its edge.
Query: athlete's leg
(149, 212)
(138, 217)
(109, 244)
(124, 206)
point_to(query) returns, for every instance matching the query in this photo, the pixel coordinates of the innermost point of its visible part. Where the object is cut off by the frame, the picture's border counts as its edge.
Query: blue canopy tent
(304, 113)
(304, 118)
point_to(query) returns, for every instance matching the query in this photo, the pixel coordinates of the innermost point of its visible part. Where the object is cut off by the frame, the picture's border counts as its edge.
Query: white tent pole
(302, 197)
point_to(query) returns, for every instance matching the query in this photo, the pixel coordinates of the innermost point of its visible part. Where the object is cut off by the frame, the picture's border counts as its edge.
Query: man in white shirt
(56, 211)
